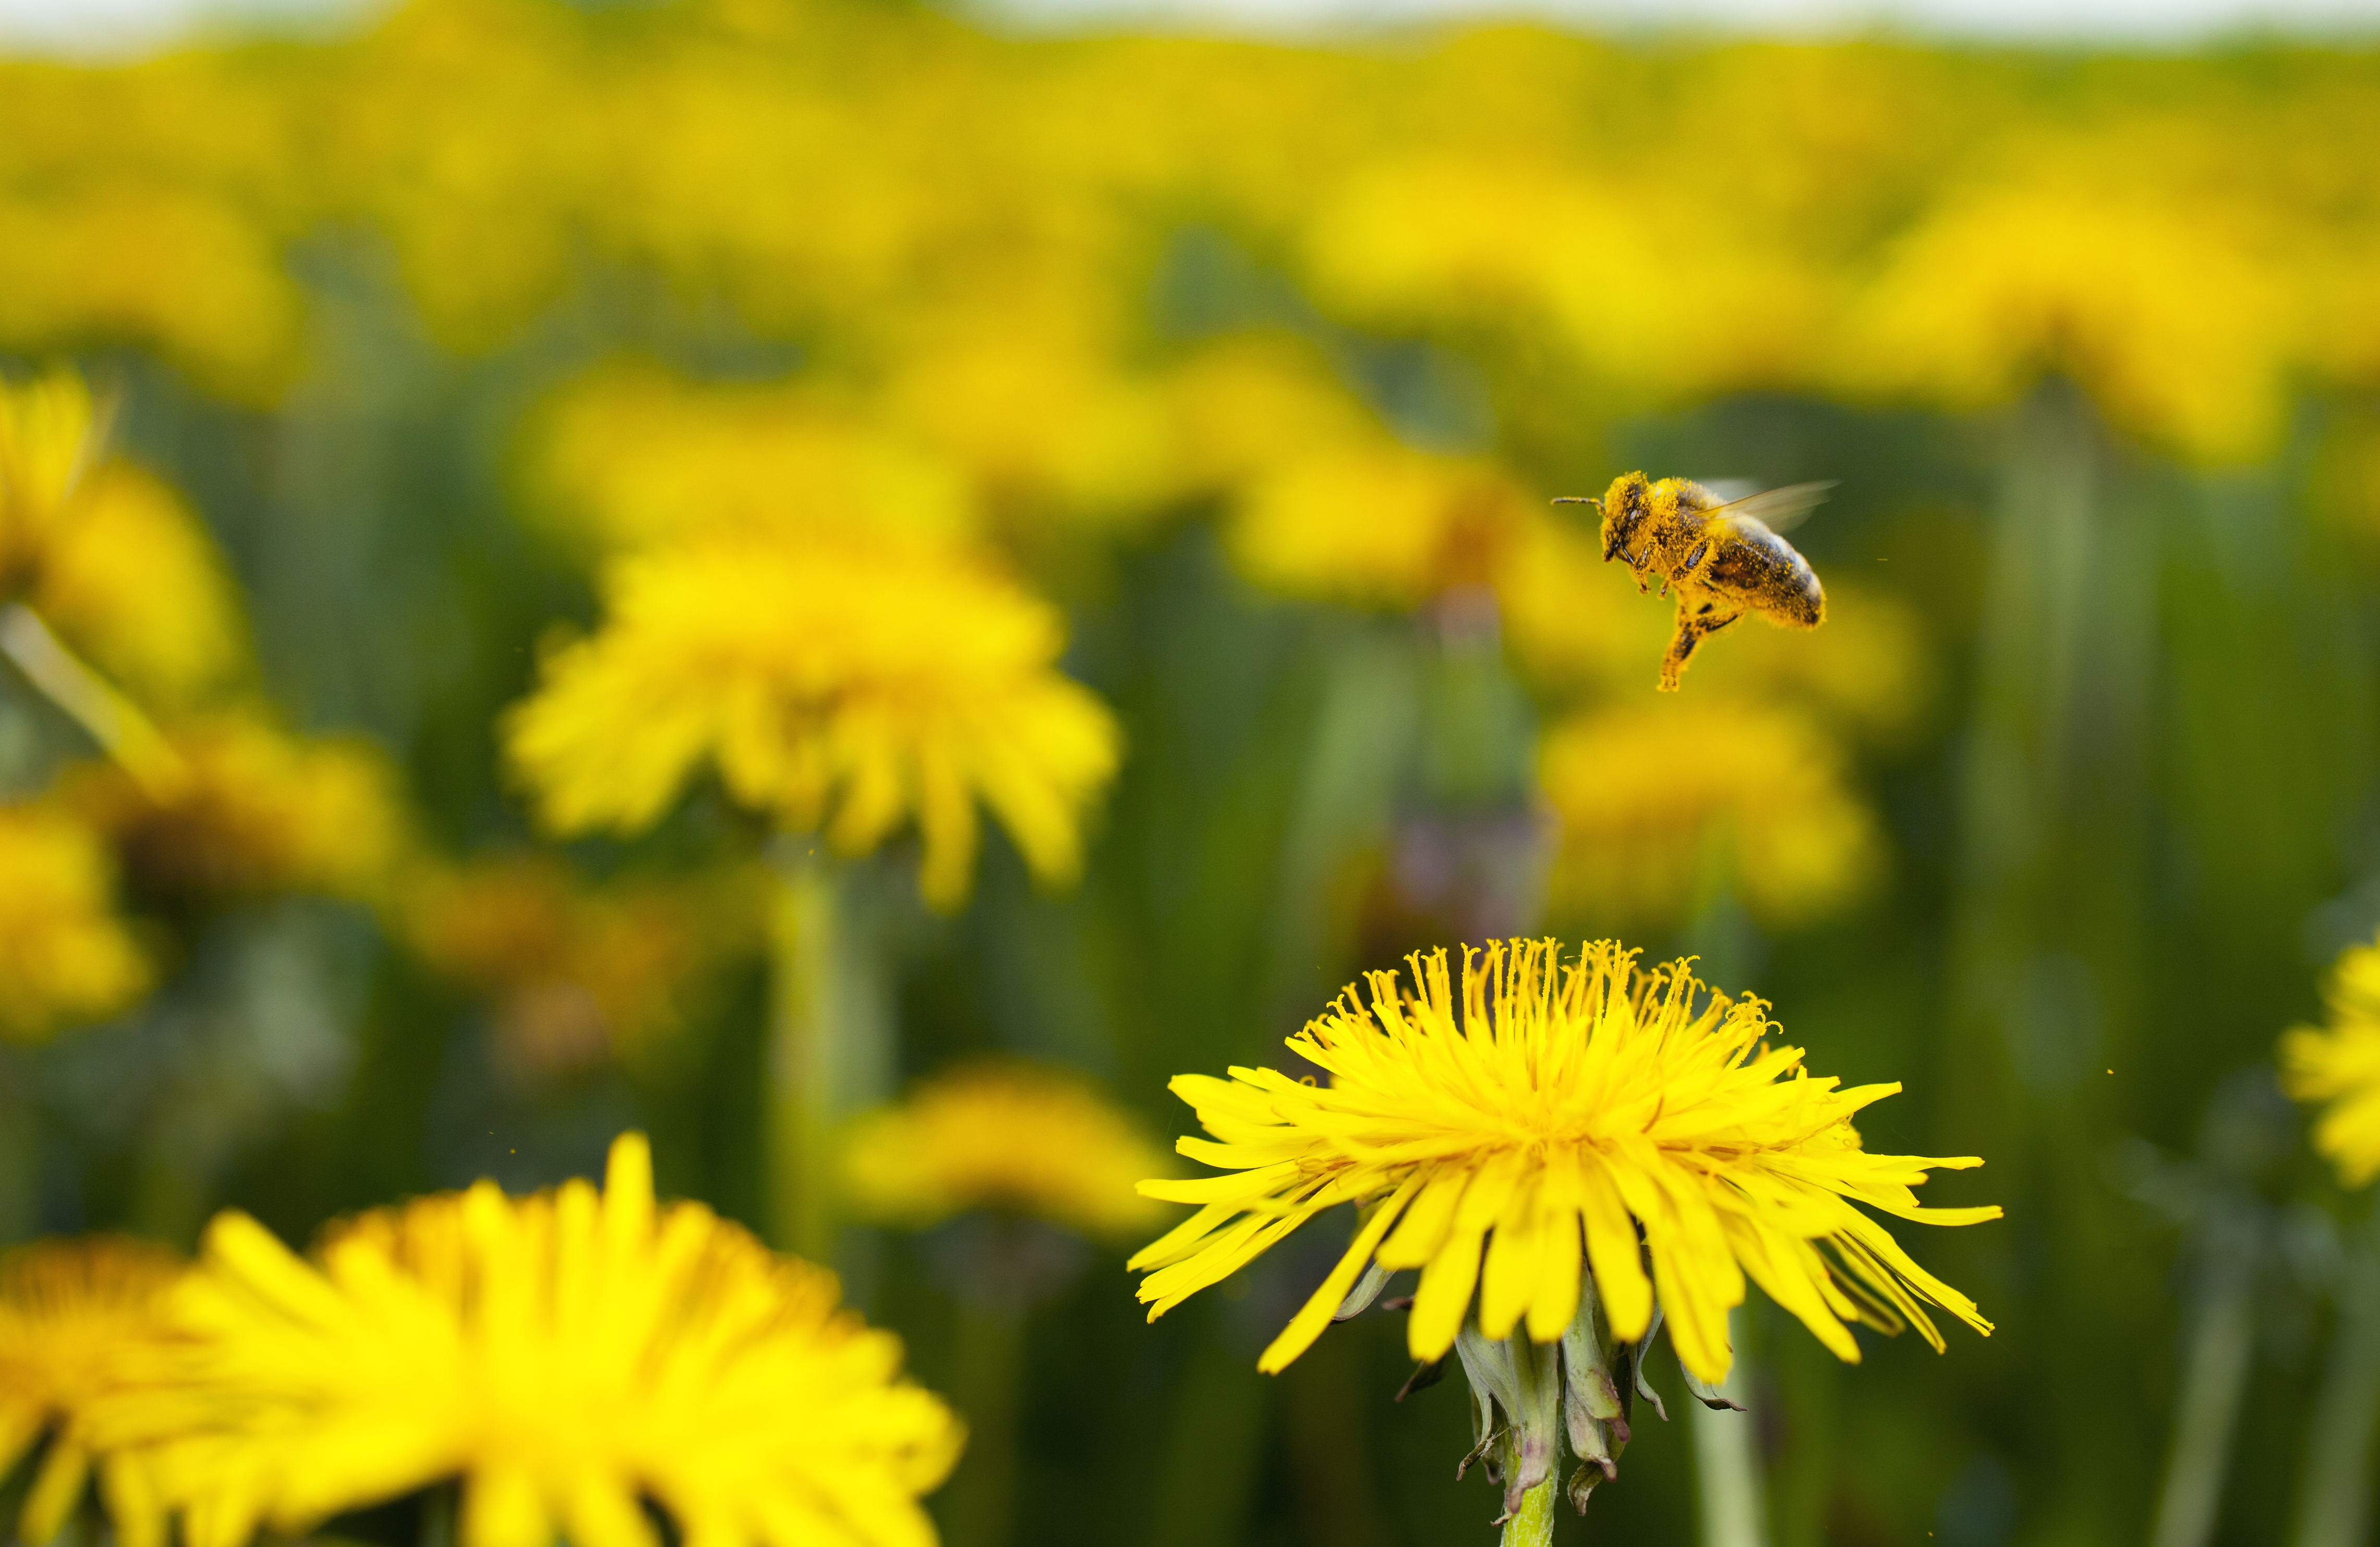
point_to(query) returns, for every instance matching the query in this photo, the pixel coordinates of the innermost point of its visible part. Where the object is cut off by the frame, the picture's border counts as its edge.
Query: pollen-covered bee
(1724, 557)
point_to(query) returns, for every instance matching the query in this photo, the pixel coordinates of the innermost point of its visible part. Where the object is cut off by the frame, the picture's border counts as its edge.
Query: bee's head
(1624, 505)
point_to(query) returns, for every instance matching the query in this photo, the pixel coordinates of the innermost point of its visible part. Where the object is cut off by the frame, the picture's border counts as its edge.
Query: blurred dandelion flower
(1530, 1131)
(65, 955)
(248, 810)
(2177, 332)
(1651, 796)
(1040, 416)
(2339, 1065)
(636, 456)
(80, 1320)
(82, 269)
(106, 554)
(1249, 403)
(566, 1354)
(1002, 1136)
(840, 685)
(1377, 524)
(577, 973)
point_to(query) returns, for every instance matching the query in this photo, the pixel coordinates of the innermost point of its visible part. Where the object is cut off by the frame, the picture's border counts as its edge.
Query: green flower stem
(2334, 1494)
(106, 715)
(1727, 1460)
(1533, 1524)
(986, 1382)
(2214, 1377)
(829, 1041)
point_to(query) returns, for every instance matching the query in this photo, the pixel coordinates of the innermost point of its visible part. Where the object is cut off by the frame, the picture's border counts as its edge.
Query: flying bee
(1725, 558)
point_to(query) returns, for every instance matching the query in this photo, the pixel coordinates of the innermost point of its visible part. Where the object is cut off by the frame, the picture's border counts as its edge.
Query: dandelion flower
(1002, 1136)
(1376, 524)
(77, 1320)
(834, 686)
(577, 972)
(65, 957)
(249, 810)
(633, 457)
(107, 555)
(1556, 1121)
(1651, 796)
(567, 1355)
(2341, 1065)
(2177, 331)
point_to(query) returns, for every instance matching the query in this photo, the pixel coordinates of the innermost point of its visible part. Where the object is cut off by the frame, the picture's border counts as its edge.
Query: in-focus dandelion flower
(2339, 1065)
(249, 810)
(106, 554)
(567, 1355)
(81, 1324)
(65, 955)
(843, 687)
(1658, 801)
(1543, 1123)
(1007, 1137)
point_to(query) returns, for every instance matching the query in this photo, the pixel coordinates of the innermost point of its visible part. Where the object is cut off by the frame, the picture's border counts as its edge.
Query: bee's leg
(1696, 622)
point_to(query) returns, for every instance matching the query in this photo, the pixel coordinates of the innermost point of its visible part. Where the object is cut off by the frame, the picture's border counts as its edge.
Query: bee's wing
(1781, 510)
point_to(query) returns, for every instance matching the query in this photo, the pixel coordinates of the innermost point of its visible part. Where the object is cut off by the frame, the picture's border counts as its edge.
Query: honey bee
(1724, 557)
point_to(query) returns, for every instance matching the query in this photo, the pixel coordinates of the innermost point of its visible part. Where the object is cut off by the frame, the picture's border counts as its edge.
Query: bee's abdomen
(1762, 569)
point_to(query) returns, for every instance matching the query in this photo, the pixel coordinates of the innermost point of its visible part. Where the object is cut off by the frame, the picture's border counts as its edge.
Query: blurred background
(1258, 360)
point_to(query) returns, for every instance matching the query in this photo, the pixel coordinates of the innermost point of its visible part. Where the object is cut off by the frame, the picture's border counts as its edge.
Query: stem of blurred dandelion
(111, 719)
(832, 1046)
(2214, 1377)
(2335, 1492)
(1726, 1456)
(987, 1387)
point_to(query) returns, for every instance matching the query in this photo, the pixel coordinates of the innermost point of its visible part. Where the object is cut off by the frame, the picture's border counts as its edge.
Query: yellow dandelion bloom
(1002, 1136)
(2339, 1065)
(1039, 415)
(1650, 795)
(567, 1355)
(65, 957)
(82, 269)
(1251, 402)
(79, 1320)
(1377, 524)
(249, 810)
(836, 685)
(631, 457)
(2175, 331)
(1557, 1120)
(106, 554)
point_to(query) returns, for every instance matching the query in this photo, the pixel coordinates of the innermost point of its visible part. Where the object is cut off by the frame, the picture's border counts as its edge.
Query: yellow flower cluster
(928, 212)
(2339, 1065)
(847, 687)
(82, 1323)
(568, 1355)
(106, 554)
(1002, 1136)
(1544, 1121)
(65, 957)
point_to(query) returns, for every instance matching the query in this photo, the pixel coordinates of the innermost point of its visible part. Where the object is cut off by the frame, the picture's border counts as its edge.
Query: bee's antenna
(1578, 499)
